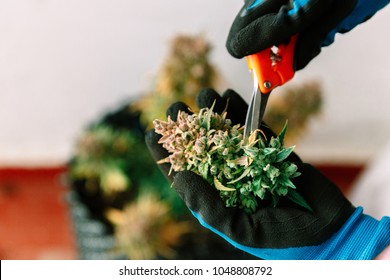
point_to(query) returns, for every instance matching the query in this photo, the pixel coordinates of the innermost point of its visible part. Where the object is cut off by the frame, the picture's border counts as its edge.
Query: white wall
(64, 63)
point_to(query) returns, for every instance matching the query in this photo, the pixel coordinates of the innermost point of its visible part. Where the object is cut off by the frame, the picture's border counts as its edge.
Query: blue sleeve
(364, 10)
(360, 238)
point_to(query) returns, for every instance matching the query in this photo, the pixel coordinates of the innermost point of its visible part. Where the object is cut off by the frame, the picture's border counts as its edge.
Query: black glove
(283, 232)
(263, 23)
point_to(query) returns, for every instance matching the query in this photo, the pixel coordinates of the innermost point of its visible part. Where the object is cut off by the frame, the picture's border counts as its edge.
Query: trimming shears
(270, 68)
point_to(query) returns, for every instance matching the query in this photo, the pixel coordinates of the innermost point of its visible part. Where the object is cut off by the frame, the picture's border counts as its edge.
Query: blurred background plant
(296, 104)
(146, 229)
(111, 163)
(122, 192)
(186, 70)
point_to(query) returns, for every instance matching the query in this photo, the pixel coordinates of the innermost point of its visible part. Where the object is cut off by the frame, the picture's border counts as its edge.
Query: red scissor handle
(273, 66)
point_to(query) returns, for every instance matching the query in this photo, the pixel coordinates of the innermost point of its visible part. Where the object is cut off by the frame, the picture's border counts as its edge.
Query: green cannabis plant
(245, 171)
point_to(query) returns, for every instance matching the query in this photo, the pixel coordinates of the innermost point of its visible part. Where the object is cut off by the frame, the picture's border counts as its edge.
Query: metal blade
(256, 109)
(248, 119)
(256, 119)
(263, 105)
(251, 108)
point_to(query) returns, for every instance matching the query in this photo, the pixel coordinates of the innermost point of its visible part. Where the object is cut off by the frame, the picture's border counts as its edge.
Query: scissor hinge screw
(267, 84)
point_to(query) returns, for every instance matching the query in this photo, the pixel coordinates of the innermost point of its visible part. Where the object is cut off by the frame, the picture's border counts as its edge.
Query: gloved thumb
(197, 193)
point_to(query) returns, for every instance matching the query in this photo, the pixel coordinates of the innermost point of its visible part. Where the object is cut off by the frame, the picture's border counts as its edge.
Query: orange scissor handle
(273, 66)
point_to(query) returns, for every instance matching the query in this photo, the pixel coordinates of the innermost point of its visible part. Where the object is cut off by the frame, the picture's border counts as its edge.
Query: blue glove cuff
(363, 10)
(360, 238)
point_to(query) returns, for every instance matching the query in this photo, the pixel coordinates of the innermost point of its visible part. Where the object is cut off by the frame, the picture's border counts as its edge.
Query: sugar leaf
(283, 154)
(220, 187)
(295, 197)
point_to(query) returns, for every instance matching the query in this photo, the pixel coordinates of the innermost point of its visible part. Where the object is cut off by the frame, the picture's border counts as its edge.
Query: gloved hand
(334, 230)
(263, 23)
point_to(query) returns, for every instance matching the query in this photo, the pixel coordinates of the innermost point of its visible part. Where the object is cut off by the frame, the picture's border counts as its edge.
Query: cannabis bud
(146, 228)
(245, 171)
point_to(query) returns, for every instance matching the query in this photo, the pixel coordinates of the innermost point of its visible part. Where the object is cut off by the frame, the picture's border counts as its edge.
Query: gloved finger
(204, 202)
(191, 186)
(158, 152)
(270, 23)
(208, 97)
(230, 101)
(174, 109)
(237, 107)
